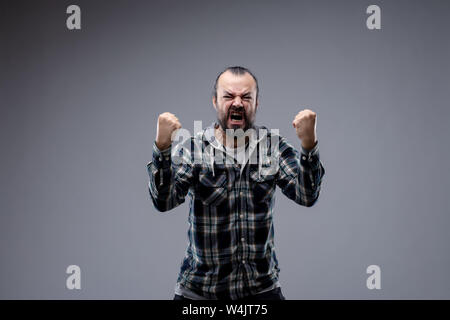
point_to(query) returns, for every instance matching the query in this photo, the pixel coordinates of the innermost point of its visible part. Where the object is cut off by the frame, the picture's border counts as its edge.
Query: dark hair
(239, 71)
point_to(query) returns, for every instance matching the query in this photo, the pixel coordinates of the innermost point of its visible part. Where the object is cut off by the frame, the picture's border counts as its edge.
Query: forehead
(236, 84)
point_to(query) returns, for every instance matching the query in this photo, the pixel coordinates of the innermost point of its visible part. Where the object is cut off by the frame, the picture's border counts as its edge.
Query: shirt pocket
(212, 189)
(262, 185)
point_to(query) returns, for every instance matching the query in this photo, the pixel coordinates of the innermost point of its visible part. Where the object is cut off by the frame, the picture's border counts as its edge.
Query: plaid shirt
(231, 252)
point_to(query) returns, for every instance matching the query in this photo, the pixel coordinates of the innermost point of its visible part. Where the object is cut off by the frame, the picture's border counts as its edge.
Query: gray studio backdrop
(78, 119)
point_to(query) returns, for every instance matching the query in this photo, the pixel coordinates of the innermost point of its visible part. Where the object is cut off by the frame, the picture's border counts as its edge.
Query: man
(231, 252)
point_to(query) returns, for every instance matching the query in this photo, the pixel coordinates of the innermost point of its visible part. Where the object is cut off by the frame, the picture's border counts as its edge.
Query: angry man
(231, 251)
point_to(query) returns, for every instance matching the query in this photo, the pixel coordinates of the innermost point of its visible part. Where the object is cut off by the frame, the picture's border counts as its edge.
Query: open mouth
(236, 117)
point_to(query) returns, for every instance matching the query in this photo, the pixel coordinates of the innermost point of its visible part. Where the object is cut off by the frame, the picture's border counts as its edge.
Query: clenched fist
(305, 125)
(167, 124)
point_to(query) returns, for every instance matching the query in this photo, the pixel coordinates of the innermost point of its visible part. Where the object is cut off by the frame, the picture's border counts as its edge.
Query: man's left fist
(305, 125)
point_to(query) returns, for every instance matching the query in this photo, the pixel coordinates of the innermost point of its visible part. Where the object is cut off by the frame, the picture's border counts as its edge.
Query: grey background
(78, 118)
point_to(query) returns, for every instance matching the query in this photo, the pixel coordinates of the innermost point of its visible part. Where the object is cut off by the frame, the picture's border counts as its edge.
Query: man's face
(236, 102)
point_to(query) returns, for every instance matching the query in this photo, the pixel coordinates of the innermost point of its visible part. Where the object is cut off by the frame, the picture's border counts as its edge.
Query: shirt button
(241, 216)
(312, 183)
(243, 239)
(243, 261)
(303, 157)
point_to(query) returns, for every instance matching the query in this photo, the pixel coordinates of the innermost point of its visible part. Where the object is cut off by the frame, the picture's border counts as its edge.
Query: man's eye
(244, 98)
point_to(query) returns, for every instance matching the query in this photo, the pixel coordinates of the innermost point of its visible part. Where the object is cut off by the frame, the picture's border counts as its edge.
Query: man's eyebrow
(231, 94)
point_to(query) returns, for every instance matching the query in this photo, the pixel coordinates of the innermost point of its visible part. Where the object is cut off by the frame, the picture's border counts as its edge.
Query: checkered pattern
(231, 252)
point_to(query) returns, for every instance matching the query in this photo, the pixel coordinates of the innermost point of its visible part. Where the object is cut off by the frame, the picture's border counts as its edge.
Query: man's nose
(237, 101)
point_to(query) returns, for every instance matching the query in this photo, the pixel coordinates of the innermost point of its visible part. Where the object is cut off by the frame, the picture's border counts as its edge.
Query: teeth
(236, 116)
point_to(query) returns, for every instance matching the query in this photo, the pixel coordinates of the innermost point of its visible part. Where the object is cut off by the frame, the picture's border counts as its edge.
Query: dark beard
(223, 121)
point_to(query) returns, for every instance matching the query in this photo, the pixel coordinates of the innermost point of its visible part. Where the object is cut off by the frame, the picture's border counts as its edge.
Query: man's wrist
(308, 145)
(162, 146)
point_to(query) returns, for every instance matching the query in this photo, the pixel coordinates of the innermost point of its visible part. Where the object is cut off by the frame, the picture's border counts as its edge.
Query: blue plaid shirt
(231, 251)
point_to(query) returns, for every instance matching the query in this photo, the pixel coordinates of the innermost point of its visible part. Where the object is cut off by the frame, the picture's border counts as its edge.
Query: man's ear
(256, 105)
(214, 102)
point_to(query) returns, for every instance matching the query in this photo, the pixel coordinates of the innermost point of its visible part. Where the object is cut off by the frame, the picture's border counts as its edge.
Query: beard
(223, 119)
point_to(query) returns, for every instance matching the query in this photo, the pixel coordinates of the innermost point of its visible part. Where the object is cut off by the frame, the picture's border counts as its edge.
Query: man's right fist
(167, 124)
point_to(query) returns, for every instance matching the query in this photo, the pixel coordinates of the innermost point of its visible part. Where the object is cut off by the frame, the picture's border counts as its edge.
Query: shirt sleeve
(169, 181)
(301, 173)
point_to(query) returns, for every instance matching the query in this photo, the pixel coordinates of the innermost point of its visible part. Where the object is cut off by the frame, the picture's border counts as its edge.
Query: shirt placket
(242, 193)
(241, 188)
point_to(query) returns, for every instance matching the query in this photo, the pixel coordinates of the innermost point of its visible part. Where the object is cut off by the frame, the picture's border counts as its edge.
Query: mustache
(237, 109)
